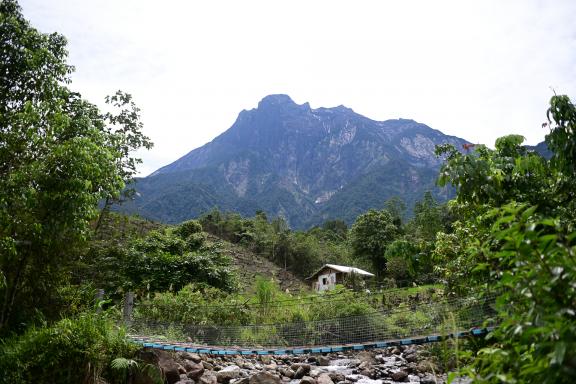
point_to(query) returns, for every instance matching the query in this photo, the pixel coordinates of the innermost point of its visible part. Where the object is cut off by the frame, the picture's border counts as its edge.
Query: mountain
(307, 165)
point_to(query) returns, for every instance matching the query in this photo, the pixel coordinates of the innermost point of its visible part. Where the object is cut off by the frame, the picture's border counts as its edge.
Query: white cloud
(475, 69)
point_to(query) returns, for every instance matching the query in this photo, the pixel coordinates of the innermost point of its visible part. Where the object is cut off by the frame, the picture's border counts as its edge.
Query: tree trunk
(105, 209)
(10, 294)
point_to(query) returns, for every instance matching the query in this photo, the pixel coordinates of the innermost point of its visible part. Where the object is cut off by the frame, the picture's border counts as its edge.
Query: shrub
(77, 350)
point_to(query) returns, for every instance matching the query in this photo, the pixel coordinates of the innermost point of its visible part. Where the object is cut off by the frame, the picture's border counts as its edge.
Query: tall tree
(371, 234)
(59, 156)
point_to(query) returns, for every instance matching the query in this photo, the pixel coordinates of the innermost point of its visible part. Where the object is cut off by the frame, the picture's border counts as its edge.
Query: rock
(364, 365)
(336, 377)
(190, 356)
(426, 366)
(307, 380)
(243, 380)
(228, 373)
(271, 367)
(207, 378)
(287, 372)
(411, 358)
(366, 356)
(429, 379)
(171, 373)
(208, 366)
(181, 369)
(265, 359)
(148, 356)
(168, 366)
(194, 370)
(264, 378)
(185, 381)
(302, 371)
(396, 351)
(324, 378)
(413, 378)
(399, 376)
(323, 361)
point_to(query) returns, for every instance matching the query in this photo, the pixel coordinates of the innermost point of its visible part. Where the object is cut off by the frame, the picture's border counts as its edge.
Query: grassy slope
(248, 265)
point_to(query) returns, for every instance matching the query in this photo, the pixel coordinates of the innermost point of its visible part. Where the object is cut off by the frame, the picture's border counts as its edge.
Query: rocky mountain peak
(304, 164)
(280, 102)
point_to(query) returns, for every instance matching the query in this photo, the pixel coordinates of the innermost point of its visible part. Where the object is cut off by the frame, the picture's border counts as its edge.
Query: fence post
(128, 307)
(99, 297)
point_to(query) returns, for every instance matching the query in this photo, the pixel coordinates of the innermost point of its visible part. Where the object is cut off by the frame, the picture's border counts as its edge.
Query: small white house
(331, 274)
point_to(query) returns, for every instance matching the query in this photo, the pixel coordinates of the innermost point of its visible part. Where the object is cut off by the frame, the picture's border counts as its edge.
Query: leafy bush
(77, 350)
(536, 340)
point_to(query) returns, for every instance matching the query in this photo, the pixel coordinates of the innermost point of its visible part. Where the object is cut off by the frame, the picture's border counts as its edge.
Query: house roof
(343, 269)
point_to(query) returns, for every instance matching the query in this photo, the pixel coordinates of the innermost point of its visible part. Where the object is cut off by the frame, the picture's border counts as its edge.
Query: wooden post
(99, 297)
(128, 307)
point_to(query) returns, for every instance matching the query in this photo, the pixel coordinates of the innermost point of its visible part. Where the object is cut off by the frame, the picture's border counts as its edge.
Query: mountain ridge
(291, 160)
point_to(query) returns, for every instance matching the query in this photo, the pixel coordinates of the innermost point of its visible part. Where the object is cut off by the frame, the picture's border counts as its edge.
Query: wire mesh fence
(419, 320)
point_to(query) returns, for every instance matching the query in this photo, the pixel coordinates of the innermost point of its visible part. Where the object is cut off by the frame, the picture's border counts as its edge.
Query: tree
(370, 236)
(518, 227)
(59, 156)
(402, 257)
(125, 131)
(397, 208)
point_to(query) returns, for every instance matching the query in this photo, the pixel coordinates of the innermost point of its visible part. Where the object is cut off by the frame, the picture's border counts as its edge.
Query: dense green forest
(63, 162)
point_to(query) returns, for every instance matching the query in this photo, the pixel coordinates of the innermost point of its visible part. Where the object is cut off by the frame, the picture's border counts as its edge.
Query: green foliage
(166, 259)
(125, 369)
(266, 290)
(402, 256)
(73, 350)
(188, 228)
(488, 177)
(518, 237)
(59, 156)
(198, 304)
(370, 236)
(297, 251)
(536, 340)
(194, 304)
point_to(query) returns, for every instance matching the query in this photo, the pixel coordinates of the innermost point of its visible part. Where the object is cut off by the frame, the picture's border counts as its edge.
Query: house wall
(326, 280)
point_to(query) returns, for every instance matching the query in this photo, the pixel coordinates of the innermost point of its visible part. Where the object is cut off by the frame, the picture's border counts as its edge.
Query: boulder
(426, 366)
(411, 358)
(323, 361)
(264, 378)
(336, 377)
(301, 371)
(307, 380)
(265, 359)
(324, 378)
(399, 376)
(287, 372)
(170, 372)
(429, 379)
(207, 378)
(228, 373)
(190, 356)
(194, 370)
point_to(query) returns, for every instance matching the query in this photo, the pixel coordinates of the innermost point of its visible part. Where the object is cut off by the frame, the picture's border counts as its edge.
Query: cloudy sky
(474, 69)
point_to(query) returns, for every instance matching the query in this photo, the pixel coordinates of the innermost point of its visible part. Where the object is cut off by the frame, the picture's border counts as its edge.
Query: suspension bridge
(405, 325)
